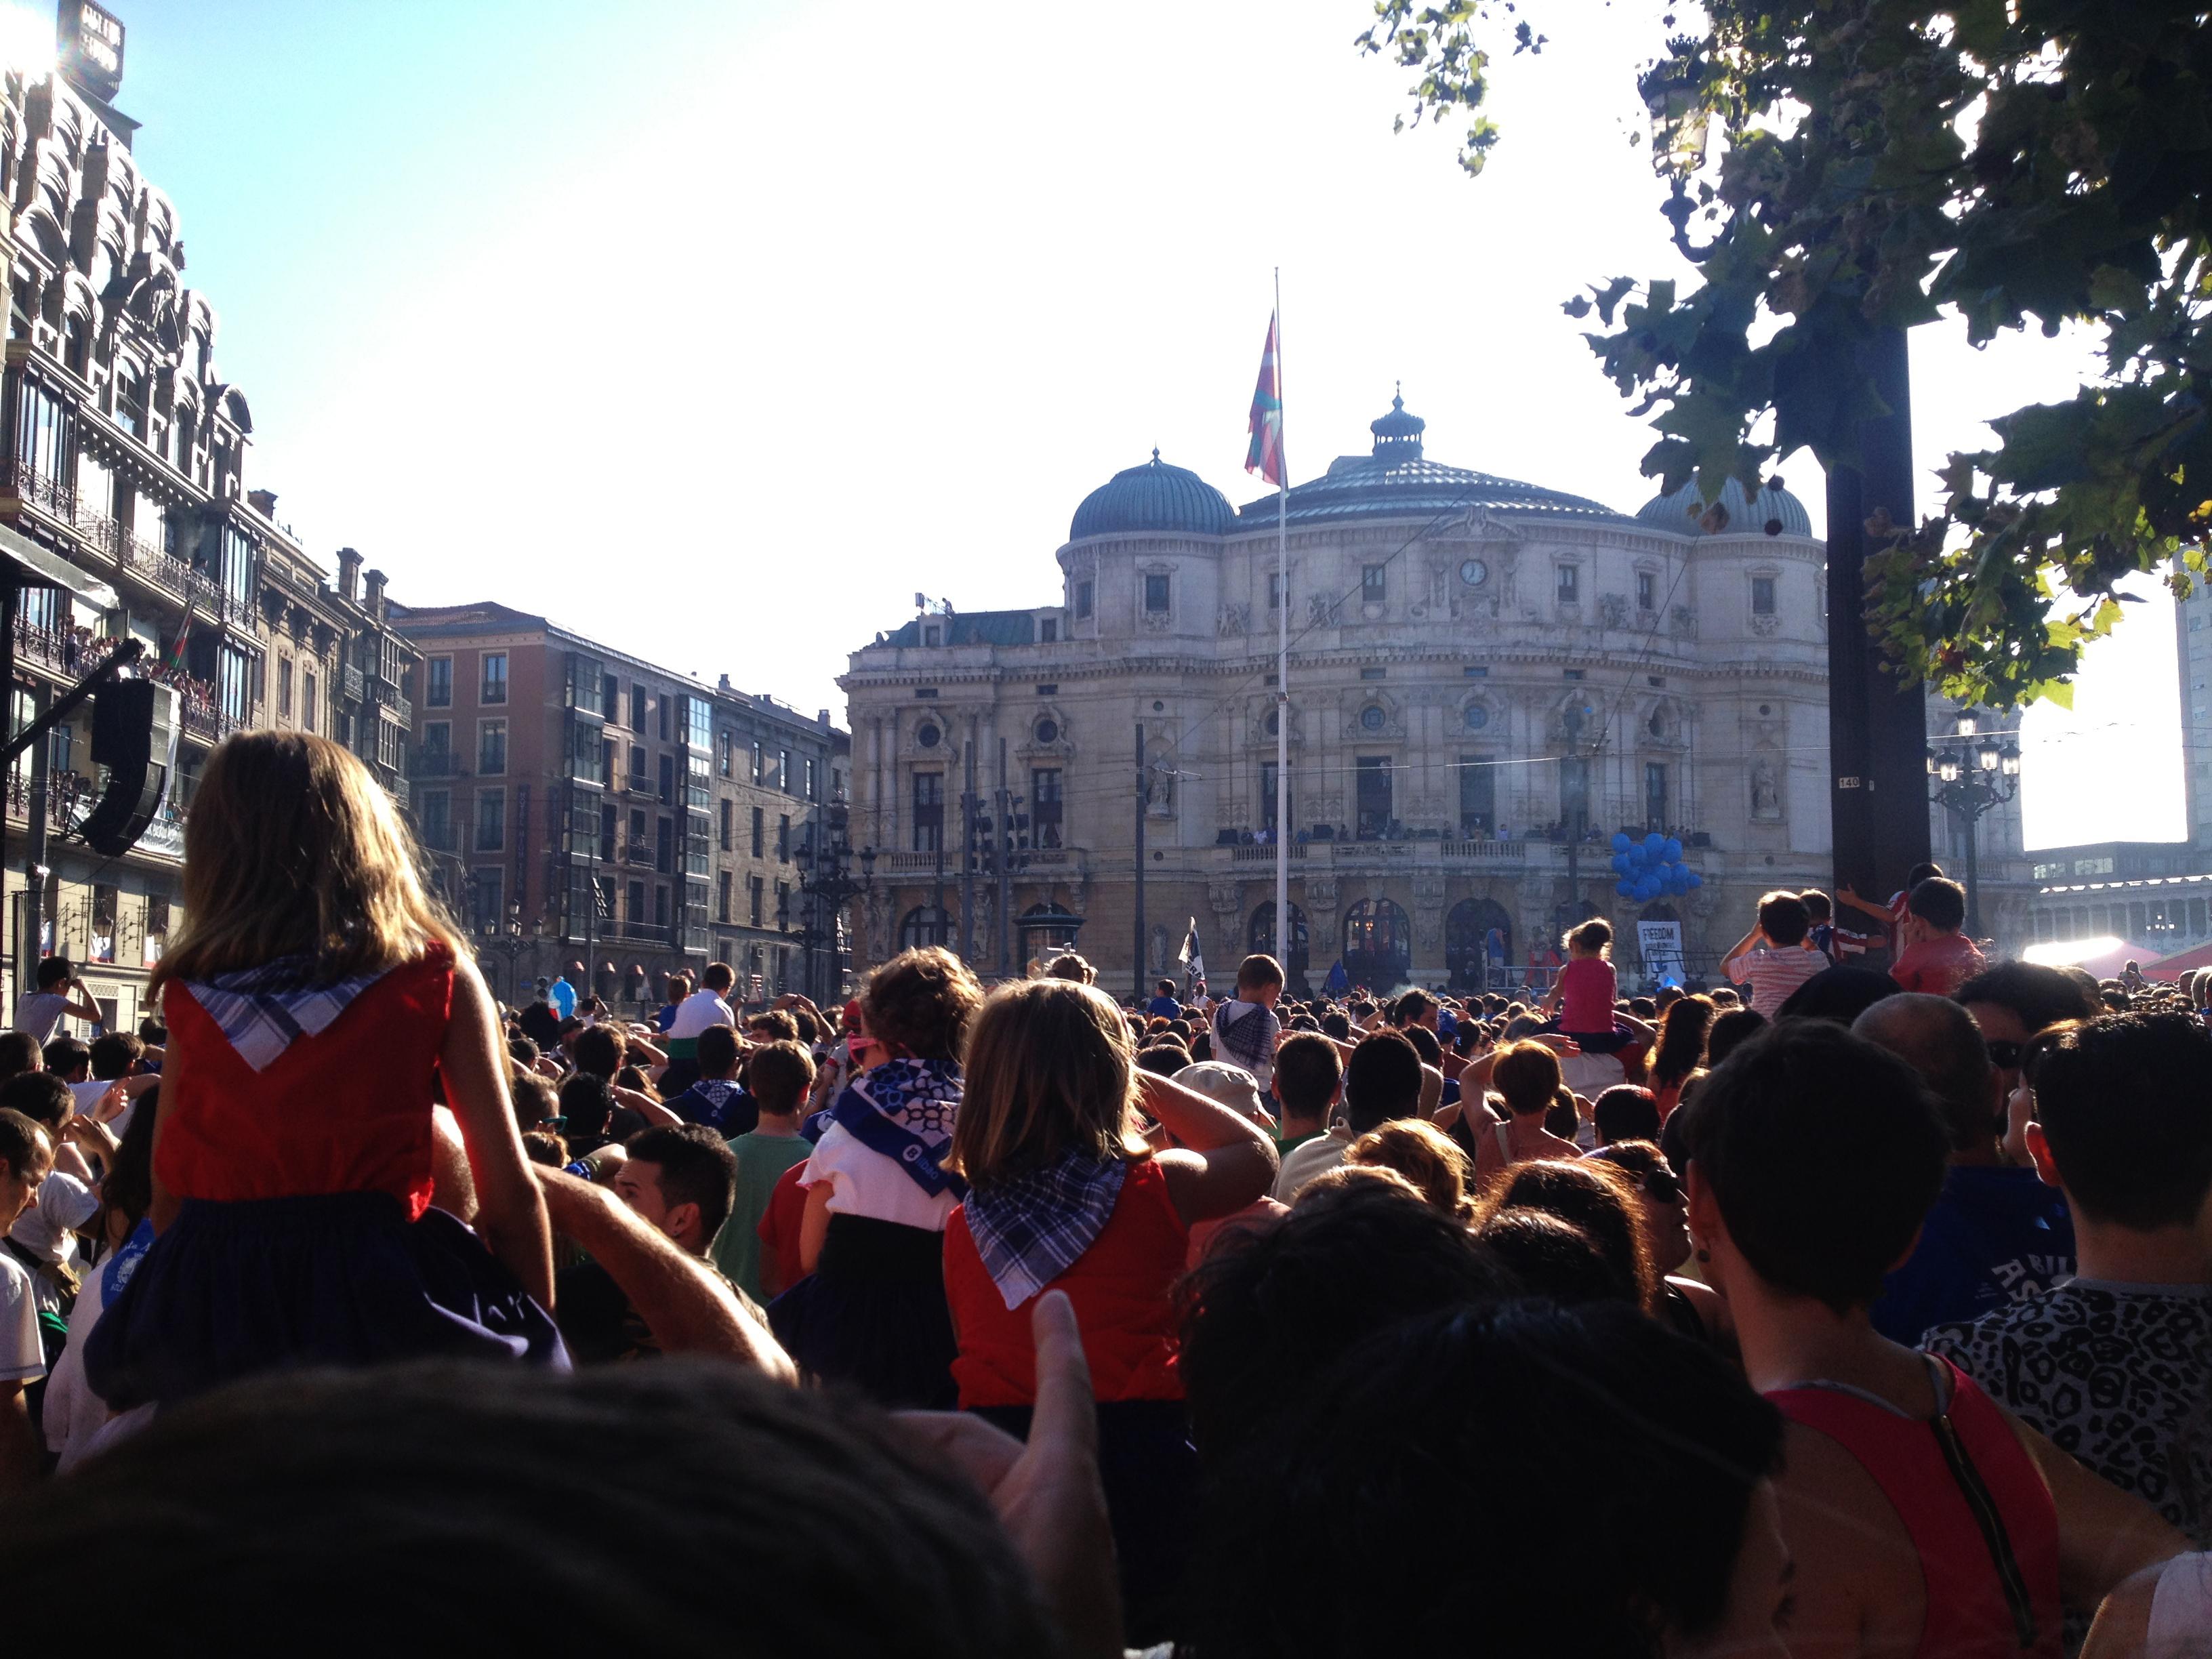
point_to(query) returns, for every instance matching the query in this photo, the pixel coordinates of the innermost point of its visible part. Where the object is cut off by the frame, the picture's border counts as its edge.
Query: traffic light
(131, 723)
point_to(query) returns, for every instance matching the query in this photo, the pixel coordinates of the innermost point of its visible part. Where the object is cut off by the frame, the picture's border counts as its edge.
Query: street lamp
(826, 878)
(508, 939)
(1971, 781)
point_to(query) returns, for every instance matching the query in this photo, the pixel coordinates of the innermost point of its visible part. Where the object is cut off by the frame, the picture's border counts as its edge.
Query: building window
(1372, 797)
(1157, 593)
(722, 896)
(1477, 796)
(783, 838)
(491, 820)
(813, 781)
(493, 690)
(1274, 590)
(310, 709)
(727, 812)
(724, 754)
(929, 812)
(438, 681)
(491, 748)
(933, 634)
(637, 709)
(607, 818)
(783, 904)
(1647, 590)
(1083, 595)
(491, 893)
(1762, 596)
(284, 687)
(638, 778)
(660, 711)
(636, 911)
(1048, 806)
(1570, 584)
(1049, 631)
(232, 675)
(783, 770)
(610, 696)
(668, 780)
(637, 852)
(1269, 774)
(663, 846)
(760, 765)
(1374, 583)
(437, 754)
(1654, 795)
(659, 906)
(756, 898)
(760, 833)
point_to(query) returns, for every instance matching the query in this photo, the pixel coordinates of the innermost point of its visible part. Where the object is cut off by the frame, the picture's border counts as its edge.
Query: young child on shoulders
(322, 1011)
(1582, 1001)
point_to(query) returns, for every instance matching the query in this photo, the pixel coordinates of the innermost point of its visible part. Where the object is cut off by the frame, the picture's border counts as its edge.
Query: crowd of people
(1848, 1312)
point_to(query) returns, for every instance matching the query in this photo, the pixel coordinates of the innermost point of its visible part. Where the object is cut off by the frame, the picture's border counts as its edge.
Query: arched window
(1261, 938)
(1379, 944)
(923, 925)
(1478, 944)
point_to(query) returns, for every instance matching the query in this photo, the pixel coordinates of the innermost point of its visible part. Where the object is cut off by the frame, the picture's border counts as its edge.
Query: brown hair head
(292, 850)
(1048, 1067)
(1426, 1156)
(920, 1001)
(1528, 1075)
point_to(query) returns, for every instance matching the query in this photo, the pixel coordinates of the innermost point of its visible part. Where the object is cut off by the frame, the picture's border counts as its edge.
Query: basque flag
(1265, 456)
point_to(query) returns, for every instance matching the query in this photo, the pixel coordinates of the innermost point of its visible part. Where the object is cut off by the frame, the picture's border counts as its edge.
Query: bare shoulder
(1860, 1590)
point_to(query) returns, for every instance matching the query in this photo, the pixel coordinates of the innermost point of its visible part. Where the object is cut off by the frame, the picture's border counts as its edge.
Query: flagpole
(1282, 941)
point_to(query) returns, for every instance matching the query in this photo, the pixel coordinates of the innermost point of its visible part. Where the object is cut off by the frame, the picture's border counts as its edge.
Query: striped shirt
(1772, 973)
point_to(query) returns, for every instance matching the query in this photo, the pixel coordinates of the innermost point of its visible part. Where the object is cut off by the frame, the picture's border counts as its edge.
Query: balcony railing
(439, 837)
(353, 683)
(207, 720)
(433, 763)
(385, 693)
(34, 489)
(65, 791)
(165, 835)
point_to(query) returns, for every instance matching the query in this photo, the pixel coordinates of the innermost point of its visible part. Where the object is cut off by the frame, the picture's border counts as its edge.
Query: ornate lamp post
(825, 877)
(508, 937)
(1978, 774)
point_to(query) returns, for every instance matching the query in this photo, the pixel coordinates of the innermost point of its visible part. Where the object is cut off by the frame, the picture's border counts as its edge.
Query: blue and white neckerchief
(264, 1011)
(904, 1109)
(1032, 1227)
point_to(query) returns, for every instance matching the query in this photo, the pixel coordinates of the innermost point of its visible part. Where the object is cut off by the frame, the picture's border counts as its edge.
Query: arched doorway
(1379, 944)
(1478, 944)
(1261, 938)
(926, 923)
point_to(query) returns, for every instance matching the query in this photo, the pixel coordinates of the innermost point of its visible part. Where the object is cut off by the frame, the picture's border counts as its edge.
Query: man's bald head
(1939, 1039)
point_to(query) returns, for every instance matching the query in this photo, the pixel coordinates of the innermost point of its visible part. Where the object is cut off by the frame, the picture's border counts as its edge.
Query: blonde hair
(291, 849)
(1426, 1156)
(1049, 1066)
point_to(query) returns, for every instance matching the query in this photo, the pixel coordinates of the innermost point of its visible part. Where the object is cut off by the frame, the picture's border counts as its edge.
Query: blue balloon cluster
(1651, 868)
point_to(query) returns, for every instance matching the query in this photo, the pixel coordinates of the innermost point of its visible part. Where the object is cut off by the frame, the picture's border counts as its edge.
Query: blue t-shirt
(721, 1103)
(563, 996)
(1995, 1236)
(1164, 1008)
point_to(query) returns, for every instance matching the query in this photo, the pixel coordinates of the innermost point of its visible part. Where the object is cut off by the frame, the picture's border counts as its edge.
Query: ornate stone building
(123, 468)
(1479, 668)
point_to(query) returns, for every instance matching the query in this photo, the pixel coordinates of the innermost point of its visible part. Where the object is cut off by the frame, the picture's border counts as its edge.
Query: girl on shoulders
(320, 1013)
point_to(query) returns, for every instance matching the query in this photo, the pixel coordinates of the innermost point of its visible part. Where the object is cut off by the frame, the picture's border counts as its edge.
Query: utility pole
(1877, 718)
(968, 855)
(1003, 841)
(1139, 953)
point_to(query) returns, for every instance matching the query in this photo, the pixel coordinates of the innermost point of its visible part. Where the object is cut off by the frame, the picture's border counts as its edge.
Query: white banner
(1660, 942)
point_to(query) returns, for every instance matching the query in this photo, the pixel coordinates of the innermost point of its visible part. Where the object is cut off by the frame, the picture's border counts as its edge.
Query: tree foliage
(2012, 162)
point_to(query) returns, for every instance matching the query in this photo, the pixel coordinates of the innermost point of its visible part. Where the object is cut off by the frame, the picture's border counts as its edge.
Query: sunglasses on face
(2005, 1056)
(1664, 1186)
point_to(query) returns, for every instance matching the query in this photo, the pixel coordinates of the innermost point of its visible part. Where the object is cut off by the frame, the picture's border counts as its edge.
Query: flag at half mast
(1265, 455)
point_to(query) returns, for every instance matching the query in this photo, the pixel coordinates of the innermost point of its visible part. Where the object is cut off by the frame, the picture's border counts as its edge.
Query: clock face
(1473, 573)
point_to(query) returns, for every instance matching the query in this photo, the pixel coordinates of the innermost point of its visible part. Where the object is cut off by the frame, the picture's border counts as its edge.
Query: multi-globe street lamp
(826, 878)
(1972, 776)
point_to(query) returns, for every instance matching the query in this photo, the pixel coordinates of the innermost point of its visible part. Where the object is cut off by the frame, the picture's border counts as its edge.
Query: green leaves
(1847, 201)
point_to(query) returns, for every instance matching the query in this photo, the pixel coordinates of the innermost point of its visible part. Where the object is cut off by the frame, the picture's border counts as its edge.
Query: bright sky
(718, 329)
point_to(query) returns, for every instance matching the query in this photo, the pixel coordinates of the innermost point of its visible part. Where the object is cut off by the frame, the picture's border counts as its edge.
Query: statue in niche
(1766, 789)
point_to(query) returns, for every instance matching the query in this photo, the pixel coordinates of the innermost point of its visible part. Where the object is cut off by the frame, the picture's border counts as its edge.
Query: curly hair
(920, 1001)
(1426, 1156)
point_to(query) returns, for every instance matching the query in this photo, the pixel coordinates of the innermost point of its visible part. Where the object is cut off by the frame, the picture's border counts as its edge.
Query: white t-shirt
(72, 1410)
(1315, 1157)
(48, 1230)
(22, 1357)
(39, 1012)
(697, 1012)
(864, 1183)
(88, 1093)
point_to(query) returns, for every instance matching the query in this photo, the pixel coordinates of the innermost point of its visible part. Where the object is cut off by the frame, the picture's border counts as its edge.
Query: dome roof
(1773, 512)
(1395, 481)
(1153, 497)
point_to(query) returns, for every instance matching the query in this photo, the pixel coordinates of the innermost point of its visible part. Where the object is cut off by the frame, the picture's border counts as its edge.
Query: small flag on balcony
(174, 662)
(1265, 456)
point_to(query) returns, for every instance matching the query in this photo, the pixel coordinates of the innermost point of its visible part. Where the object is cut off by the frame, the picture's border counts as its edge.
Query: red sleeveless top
(1976, 1507)
(1120, 1286)
(345, 1111)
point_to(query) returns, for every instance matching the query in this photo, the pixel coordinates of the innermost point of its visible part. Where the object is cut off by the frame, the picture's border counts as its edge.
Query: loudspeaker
(129, 718)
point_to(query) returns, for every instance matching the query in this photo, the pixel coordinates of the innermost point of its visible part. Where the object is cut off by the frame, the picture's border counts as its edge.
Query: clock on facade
(1473, 572)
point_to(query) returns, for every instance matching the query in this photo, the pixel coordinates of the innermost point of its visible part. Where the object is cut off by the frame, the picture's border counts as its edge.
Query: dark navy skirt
(872, 1315)
(240, 1287)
